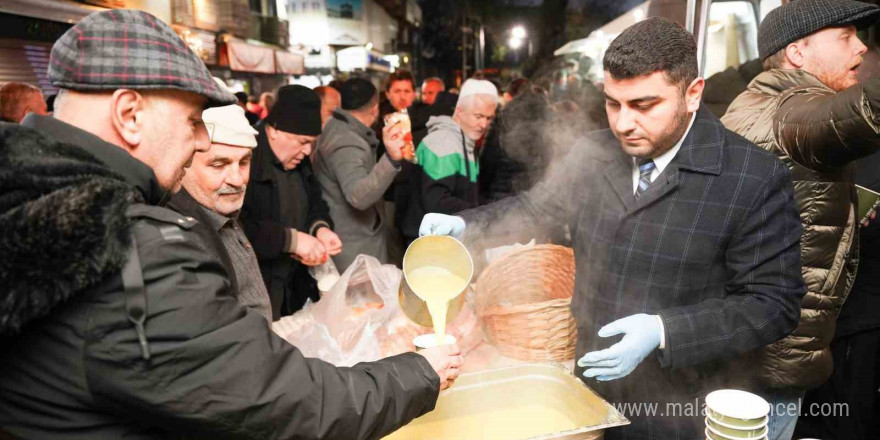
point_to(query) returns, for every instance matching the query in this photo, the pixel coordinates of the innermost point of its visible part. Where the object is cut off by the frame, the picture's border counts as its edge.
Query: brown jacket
(817, 133)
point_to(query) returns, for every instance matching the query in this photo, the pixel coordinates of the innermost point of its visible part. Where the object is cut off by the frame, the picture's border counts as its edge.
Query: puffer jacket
(818, 133)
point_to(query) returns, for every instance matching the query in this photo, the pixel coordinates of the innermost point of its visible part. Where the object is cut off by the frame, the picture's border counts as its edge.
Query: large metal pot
(433, 250)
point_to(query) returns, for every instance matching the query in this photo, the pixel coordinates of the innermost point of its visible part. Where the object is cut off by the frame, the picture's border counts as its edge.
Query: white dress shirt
(663, 160)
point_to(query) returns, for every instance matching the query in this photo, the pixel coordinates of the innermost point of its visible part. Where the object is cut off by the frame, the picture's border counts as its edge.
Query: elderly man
(284, 214)
(430, 88)
(116, 321)
(19, 99)
(446, 179)
(213, 192)
(351, 179)
(685, 238)
(330, 101)
(807, 108)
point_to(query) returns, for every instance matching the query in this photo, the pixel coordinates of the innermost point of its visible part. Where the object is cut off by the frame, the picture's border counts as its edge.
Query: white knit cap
(477, 87)
(230, 126)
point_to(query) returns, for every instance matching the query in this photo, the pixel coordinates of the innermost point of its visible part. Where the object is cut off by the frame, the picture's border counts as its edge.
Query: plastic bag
(341, 327)
(359, 319)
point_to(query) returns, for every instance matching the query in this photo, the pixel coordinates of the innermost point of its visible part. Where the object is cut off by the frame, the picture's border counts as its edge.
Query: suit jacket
(711, 247)
(288, 281)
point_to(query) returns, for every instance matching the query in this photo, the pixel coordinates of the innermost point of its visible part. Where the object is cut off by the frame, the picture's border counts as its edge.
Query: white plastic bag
(341, 327)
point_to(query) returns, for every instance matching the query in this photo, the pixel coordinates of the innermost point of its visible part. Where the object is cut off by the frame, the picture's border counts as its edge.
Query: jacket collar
(355, 125)
(701, 152)
(113, 157)
(184, 203)
(776, 81)
(264, 158)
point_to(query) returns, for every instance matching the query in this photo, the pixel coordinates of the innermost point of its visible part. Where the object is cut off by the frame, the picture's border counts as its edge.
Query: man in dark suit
(685, 237)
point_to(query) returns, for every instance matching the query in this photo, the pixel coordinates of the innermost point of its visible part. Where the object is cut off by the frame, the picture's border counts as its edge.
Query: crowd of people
(155, 226)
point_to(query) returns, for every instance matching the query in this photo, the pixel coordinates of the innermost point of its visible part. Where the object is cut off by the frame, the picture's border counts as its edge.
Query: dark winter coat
(516, 151)
(287, 280)
(818, 134)
(185, 204)
(711, 247)
(75, 366)
(861, 311)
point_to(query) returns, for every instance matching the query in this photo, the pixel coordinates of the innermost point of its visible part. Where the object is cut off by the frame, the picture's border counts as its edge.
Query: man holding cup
(351, 178)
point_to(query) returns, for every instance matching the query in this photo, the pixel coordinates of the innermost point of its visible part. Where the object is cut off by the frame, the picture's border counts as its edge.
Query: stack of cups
(736, 415)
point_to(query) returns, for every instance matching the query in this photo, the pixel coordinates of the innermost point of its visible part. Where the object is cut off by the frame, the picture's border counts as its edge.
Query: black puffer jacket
(74, 366)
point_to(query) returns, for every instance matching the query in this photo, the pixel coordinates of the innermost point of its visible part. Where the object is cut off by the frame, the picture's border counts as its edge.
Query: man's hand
(641, 336)
(446, 361)
(330, 240)
(871, 217)
(392, 136)
(309, 250)
(442, 224)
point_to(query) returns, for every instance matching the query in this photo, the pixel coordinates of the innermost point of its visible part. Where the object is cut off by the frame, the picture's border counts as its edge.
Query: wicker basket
(523, 301)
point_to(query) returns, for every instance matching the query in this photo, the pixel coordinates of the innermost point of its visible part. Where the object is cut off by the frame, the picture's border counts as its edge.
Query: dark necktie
(646, 167)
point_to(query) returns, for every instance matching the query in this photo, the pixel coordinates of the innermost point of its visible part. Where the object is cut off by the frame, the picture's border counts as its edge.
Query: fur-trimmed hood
(63, 227)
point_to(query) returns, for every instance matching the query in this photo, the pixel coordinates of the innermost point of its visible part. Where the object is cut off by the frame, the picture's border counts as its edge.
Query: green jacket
(449, 168)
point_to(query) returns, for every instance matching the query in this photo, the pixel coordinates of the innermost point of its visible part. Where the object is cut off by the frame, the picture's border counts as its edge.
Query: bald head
(19, 99)
(430, 88)
(330, 100)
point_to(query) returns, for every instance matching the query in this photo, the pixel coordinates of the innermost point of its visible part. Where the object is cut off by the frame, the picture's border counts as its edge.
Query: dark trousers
(855, 381)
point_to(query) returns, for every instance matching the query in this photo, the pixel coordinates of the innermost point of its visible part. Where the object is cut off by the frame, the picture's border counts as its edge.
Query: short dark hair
(400, 75)
(653, 45)
(242, 97)
(518, 87)
(336, 84)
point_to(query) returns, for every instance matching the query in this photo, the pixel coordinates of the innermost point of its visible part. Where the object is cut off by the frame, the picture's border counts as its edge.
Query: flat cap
(356, 93)
(800, 18)
(126, 49)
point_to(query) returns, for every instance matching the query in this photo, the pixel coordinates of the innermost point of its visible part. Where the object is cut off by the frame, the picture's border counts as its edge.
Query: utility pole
(464, 42)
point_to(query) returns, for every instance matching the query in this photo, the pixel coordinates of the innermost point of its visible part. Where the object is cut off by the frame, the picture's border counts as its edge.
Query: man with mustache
(213, 192)
(808, 108)
(284, 215)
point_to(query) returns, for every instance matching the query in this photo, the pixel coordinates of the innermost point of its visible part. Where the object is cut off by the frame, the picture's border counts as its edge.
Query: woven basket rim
(537, 247)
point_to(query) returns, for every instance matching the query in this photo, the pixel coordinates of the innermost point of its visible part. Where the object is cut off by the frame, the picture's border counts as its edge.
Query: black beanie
(297, 110)
(356, 93)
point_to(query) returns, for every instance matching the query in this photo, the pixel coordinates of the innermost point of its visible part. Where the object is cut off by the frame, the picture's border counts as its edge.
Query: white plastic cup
(422, 342)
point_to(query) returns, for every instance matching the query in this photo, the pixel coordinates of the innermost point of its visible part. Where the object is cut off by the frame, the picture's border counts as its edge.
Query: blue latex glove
(641, 337)
(442, 224)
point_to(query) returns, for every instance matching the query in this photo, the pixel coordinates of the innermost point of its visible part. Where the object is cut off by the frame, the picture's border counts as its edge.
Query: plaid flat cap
(799, 18)
(129, 49)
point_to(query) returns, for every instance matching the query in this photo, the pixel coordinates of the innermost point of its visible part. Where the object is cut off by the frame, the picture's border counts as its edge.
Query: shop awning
(289, 63)
(246, 57)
